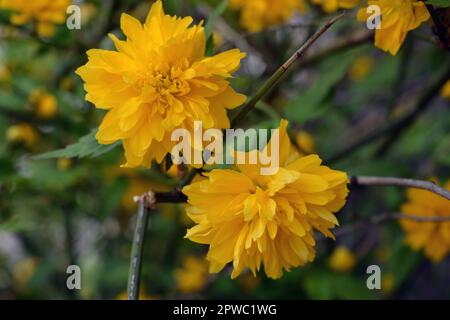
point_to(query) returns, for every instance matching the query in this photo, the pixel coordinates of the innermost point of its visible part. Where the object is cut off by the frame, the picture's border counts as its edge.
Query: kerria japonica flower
(255, 15)
(445, 91)
(432, 236)
(330, 6)
(398, 17)
(252, 220)
(159, 79)
(45, 13)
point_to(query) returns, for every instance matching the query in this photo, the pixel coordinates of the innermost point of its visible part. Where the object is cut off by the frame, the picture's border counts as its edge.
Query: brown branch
(380, 218)
(411, 183)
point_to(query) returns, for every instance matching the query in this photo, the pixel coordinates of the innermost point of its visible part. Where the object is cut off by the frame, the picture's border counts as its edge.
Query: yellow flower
(192, 276)
(305, 142)
(158, 80)
(360, 68)
(24, 270)
(45, 13)
(251, 219)
(63, 164)
(398, 17)
(22, 132)
(433, 237)
(88, 11)
(445, 92)
(5, 74)
(67, 84)
(217, 39)
(387, 283)
(44, 104)
(342, 260)
(256, 15)
(330, 6)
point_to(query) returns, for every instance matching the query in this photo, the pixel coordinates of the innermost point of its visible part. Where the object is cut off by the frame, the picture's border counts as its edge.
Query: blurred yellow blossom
(256, 15)
(157, 81)
(251, 219)
(398, 17)
(387, 283)
(5, 74)
(88, 11)
(360, 68)
(63, 164)
(342, 260)
(24, 270)
(433, 237)
(22, 132)
(445, 92)
(249, 281)
(67, 83)
(44, 104)
(45, 13)
(383, 252)
(305, 142)
(330, 6)
(193, 275)
(217, 39)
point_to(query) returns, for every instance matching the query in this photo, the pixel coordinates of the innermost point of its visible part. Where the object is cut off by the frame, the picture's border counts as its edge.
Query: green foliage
(439, 3)
(54, 211)
(316, 100)
(87, 146)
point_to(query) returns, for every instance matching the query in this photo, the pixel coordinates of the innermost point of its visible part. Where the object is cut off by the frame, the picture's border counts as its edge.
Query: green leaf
(172, 6)
(87, 146)
(313, 102)
(15, 224)
(439, 3)
(217, 12)
(323, 284)
(10, 102)
(45, 176)
(403, 261)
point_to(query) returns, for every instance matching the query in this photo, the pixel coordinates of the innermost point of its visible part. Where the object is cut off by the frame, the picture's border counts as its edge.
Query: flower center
(166, 80)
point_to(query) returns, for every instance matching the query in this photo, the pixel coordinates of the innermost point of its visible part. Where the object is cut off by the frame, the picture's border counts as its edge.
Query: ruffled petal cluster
(431, 236)
(255, 15)
(398, 17)
(158, 80)
(45, 13)
(252, 220)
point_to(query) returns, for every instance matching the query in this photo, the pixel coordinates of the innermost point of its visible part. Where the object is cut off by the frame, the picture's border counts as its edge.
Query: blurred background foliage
(65, 211)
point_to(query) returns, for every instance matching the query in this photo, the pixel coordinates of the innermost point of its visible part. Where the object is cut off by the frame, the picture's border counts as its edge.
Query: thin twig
(273, 80)
(146, 203)
(179, 197)
(356, 39)
(397, 126)
(391, 181)
(170, 197)
(380, 218)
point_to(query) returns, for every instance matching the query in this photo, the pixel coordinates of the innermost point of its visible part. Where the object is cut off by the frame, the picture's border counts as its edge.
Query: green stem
(137, 251)
(273, 80)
